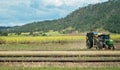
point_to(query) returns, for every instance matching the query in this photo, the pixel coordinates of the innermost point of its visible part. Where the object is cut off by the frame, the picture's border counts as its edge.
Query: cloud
(56, 3)
(59, 3)
(19, 12)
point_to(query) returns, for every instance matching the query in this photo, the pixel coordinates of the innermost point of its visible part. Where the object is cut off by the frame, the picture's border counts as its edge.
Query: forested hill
(102, 16)
(2, 27)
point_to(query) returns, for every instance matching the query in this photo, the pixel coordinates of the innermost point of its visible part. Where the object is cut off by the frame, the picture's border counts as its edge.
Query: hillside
(2, 27)
(98, 17)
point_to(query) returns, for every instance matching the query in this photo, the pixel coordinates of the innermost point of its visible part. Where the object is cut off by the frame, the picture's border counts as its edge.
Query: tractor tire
(89, 44)
(111, 47)
(99, 46)
(106, 47)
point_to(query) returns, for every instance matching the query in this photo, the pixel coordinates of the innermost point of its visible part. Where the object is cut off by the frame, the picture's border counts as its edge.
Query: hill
(99, 17)
(2, 27)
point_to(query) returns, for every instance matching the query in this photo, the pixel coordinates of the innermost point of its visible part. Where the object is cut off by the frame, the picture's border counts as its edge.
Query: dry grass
(56, 53)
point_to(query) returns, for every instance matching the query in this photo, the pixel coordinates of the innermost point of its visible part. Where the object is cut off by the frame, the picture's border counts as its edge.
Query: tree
(3, 33)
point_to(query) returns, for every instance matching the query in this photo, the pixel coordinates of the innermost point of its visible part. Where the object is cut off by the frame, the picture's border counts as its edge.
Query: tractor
(99, 41)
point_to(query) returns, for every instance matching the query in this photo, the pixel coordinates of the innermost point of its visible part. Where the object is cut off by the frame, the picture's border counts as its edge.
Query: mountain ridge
(99, 17)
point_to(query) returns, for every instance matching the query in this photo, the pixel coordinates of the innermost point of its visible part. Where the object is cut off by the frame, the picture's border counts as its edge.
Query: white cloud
(56, 3)
(18, 12)
(59, 3)
(11, 24)
(8, 3)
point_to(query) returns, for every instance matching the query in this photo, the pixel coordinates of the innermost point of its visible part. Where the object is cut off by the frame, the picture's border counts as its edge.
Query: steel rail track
(59, 60)
(59, 55)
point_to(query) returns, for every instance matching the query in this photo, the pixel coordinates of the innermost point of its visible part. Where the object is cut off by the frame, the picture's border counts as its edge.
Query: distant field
(50, 43)
(115, 37)
(40, 39)
(42, 43)
(46, 39)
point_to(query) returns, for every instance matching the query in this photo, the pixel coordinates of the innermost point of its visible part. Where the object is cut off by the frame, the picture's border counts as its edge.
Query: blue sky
(20, 12)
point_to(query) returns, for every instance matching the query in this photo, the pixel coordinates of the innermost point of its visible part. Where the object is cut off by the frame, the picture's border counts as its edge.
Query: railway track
(60, 61)
(60, 56)
(58, 53)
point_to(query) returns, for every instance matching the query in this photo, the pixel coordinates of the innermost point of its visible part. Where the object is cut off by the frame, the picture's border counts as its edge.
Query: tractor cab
(104, 37)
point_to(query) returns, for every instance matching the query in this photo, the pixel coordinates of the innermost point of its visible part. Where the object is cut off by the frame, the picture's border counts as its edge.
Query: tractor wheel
(99, 46)
(112, 47)
(89, 44)
(106, 47)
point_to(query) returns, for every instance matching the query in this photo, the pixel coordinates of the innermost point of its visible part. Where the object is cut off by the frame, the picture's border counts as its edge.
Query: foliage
(44, 39)
(2, 33)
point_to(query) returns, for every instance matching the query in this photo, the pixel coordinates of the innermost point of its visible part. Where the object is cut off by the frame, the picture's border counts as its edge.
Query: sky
(20, 12)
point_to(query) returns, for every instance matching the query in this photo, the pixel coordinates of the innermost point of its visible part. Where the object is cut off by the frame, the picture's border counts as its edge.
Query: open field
(56, 53)
(48, 43)
(46, 39)
(76, 46)
(52, 43)
(57, 68)
(44, 47)
(40, 40)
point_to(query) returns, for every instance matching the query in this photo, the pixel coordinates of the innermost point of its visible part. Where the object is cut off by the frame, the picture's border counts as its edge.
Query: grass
(115, 36)
(56, 68)
(60, 58)
(46, 39)
(36, 40)
(44, 47)
(47, 43)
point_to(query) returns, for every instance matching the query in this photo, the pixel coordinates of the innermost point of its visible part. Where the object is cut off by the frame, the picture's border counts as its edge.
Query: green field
(43, 47)
(56, 68)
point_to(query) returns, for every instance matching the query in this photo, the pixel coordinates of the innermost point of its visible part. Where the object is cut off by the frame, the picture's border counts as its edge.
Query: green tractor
(99, 40)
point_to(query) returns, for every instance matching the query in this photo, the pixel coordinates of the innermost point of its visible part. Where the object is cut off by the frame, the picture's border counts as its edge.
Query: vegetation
(40, 40)
(45, 39)
(2, 27)
(2, 33)
(56, 68)
(98, 17)
(30, 43)
(43, 47)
